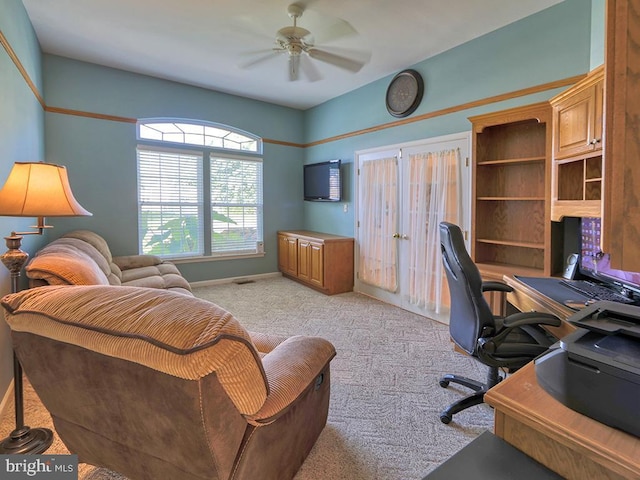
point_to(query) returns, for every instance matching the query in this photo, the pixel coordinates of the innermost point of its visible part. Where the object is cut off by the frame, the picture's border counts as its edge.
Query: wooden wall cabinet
(621, 202)
(577, 117)
(511, 228)
(319, 260)
(577, 172)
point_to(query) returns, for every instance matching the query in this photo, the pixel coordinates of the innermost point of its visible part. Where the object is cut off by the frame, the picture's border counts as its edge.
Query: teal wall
(21, 140)
(551, 45)
(597, 32)
(101, 158)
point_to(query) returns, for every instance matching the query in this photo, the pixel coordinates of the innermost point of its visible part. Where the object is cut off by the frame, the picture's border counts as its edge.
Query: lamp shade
(37, 189)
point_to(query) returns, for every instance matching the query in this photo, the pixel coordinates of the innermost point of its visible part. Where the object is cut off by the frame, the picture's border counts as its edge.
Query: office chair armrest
(531, 318)
(491, 343)
(496, 287)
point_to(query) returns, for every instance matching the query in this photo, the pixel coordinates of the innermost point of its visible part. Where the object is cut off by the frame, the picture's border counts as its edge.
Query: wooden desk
(569, 443)
(526, 299)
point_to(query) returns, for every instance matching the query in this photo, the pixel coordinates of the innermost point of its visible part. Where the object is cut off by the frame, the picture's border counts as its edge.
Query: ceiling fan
(298, 44)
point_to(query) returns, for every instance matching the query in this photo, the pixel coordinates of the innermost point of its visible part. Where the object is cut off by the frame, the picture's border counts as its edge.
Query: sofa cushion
(101, 246)
(66, 267)
(86, 253)
(175, 334)
(127, 262)
(93, 239)
(164, 275)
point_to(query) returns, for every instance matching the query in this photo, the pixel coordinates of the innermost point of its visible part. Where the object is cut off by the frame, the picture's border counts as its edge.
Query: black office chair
(509, 343)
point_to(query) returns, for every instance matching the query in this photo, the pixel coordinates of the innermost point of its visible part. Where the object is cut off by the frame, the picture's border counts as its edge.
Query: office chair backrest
(470, 313)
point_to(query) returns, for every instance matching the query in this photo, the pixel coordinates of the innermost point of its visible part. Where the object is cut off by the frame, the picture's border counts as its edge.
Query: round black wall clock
(404, 93)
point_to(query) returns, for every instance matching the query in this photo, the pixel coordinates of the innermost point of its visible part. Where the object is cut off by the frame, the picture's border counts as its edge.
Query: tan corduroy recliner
(159, 385)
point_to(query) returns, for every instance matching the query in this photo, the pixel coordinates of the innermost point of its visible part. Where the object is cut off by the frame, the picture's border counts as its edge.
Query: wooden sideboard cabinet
(319, 260)
(576, 177)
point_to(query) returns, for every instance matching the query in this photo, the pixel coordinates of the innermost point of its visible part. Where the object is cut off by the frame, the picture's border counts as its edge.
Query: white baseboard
(7, 398)
(220, 281)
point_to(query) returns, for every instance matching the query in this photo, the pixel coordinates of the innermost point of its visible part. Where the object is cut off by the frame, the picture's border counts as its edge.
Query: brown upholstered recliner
(159, 385)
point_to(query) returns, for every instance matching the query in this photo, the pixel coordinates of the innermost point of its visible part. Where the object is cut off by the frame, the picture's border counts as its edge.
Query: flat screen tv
(595, 264)
(323, 182)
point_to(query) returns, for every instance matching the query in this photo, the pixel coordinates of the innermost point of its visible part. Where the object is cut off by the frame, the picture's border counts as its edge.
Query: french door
(403, 193)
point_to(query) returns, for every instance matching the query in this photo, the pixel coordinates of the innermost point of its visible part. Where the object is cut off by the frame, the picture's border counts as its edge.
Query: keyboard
(595, 291)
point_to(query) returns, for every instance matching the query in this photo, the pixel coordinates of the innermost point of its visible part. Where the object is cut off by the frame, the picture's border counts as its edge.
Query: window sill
(178, 261)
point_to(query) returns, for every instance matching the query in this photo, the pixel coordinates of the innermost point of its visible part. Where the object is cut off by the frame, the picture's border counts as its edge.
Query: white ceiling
(207, 42)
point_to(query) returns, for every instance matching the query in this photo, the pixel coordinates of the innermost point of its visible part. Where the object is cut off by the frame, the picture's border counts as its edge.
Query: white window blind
(202, 198)
(236, 205)
(170, 203)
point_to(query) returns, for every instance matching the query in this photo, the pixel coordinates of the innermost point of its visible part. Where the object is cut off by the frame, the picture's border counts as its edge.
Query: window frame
(207, 154)
(231, 131)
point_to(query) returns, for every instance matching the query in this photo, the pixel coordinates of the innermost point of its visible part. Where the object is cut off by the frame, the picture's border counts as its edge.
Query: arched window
(204, 134)
(199, 189)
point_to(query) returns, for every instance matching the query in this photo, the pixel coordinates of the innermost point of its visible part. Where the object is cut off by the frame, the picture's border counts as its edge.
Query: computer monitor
(595, 264)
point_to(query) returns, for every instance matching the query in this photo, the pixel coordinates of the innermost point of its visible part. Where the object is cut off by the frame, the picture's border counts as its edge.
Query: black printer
(596, 369)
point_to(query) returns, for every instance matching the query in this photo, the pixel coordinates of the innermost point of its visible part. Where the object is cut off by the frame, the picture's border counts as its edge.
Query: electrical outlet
(345, 207)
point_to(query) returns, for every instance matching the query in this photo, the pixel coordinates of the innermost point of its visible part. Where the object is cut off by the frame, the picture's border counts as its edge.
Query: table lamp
(33, 189)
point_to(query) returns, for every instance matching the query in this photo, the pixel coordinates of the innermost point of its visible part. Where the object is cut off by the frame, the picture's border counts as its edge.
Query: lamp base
(27, 440)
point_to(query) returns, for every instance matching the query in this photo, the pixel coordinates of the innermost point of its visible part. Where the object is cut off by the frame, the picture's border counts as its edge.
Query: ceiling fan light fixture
(287, 34)
(294, 41)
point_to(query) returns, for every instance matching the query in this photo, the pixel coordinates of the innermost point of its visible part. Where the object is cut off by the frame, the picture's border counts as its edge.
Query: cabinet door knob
(396, 235)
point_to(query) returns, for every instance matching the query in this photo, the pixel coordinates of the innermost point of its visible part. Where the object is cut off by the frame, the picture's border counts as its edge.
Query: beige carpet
(385, 399)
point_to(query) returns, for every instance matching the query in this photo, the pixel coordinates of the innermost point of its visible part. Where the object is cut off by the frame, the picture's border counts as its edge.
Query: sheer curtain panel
(433, 198)
(379, 221)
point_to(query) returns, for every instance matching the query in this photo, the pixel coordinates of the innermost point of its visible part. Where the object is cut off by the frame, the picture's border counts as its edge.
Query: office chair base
(474, 385)
(493, 378)
(474, 399)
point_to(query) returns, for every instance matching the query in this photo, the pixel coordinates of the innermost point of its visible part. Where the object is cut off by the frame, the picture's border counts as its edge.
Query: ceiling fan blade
(265, 55)
(309, 69)
(294, 66)
(350, 64)
(337, 30)
(309, 40)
